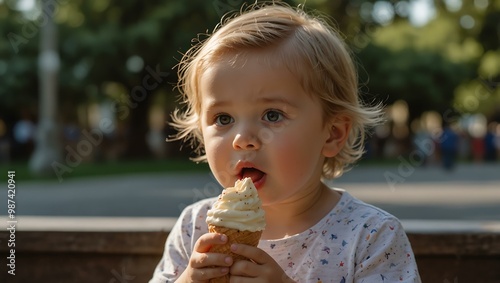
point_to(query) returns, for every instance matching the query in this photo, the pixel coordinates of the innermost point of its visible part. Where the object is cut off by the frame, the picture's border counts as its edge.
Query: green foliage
(490, 29)
(18, 50)
(99, 38)
(96, 49)
(425, 80)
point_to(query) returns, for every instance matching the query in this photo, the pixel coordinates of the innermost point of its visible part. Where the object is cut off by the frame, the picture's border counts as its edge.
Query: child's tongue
(252, 173)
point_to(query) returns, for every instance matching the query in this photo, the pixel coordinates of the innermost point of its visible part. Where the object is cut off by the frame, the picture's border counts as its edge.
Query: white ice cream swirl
(238, 207)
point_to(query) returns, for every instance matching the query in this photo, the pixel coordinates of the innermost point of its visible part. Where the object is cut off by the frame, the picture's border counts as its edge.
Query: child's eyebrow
(214, 104)
(277, 100)
(211, 104)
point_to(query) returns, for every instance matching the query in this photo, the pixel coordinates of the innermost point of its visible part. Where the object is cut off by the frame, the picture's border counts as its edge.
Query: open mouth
(255, 174)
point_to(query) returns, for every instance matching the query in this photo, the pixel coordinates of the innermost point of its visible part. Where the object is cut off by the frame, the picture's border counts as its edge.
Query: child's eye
(273, 116)
(223, 119)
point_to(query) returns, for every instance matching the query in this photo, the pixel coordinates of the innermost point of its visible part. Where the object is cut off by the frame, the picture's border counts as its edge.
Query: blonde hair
(309, 47)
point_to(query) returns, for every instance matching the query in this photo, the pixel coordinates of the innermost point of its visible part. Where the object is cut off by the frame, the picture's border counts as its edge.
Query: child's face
(259, 117)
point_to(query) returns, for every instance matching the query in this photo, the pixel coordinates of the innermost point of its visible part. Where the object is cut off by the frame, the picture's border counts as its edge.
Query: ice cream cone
(233, 236)
(238, 214)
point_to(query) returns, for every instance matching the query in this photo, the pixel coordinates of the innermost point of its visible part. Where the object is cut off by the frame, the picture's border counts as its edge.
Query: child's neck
(295, 217)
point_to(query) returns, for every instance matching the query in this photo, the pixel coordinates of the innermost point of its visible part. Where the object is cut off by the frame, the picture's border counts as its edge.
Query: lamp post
(47, 141)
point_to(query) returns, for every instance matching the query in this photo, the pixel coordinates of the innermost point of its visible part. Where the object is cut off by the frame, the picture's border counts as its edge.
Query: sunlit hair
(305, 44)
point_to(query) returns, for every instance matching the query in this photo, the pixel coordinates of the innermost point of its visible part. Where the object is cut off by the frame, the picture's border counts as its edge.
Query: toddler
(272, 95)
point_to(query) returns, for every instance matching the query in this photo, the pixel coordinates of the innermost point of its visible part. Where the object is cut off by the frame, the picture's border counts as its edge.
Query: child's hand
(204, 265)
(263, 268)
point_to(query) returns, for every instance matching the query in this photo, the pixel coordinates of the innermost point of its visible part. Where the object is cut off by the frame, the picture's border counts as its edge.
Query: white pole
(47, 142)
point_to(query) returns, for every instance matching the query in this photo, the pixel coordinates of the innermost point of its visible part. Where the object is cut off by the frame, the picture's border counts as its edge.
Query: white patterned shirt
(355, 242)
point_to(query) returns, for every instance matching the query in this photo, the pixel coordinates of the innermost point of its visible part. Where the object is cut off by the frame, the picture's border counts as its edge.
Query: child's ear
(337, 133)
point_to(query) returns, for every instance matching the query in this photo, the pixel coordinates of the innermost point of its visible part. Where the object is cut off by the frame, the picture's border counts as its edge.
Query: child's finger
(255, 254)
(203, 274)
(206, 241)
(202, 260)
(245, 268)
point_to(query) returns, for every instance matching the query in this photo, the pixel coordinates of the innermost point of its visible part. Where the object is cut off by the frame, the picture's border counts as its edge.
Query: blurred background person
(448, 143)
(4, 143)
(24, 134)
(490, 148)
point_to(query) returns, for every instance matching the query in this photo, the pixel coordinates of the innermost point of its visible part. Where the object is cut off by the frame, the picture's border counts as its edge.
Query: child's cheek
(218, 155)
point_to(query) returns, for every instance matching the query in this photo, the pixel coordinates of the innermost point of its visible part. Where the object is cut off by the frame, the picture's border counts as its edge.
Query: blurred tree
(126, 43)
(129, 44)
(48, 148)
(18, 65)
(122, 51)
(446, 64)
(125, 51)
(425, 80)
(478, 22)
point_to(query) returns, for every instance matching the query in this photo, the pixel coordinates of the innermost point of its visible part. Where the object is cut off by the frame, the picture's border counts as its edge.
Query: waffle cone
(234, 236)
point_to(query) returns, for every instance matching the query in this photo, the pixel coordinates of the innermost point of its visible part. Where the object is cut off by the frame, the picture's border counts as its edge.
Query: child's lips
(260, 182)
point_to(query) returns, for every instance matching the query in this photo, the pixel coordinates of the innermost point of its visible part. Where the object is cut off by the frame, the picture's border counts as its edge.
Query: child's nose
(246, 140)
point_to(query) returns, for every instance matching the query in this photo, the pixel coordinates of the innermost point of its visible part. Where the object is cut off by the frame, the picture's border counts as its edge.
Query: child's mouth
(256, 175)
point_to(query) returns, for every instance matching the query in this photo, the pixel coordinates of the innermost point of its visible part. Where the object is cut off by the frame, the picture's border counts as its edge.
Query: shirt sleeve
(178, 249)
(386, 255)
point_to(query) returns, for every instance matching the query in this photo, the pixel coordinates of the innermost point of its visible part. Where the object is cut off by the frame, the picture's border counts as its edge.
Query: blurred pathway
(471, 192)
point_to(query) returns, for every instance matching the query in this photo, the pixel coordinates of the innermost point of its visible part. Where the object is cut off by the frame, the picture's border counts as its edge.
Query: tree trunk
(47, 144)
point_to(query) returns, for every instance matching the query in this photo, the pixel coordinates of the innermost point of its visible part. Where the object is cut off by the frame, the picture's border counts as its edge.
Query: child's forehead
(234, 59)
(227, 67)
(238, 57)
(254, 60)
(280, 56)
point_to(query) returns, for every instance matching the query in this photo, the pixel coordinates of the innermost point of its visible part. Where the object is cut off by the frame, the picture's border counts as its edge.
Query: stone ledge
(138, 235)
(88, 249)
(94, 224)
(159, 224)
(450, 226)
